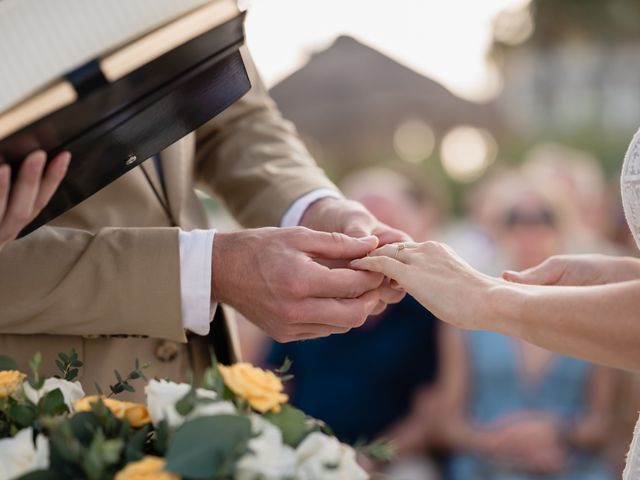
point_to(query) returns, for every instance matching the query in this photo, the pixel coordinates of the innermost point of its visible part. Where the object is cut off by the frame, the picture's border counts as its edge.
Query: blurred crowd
(474, 405)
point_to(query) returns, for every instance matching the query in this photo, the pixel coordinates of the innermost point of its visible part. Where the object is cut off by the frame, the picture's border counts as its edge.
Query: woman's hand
(578, 270)
(531, 442)
(438, 278)
(32, 190)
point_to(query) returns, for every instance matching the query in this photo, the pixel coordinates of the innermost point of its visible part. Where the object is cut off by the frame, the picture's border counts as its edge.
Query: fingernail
(67, 160)
(511, 273)
(368, 238)
(354, 262)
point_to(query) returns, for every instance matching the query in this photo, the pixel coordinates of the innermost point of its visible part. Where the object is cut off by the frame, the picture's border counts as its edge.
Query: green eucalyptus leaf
(23, 415)
(285, 367)
(209, 446)
(53, 403)
(186, 404)
(161, 437)
(291, 422)
(134, 449)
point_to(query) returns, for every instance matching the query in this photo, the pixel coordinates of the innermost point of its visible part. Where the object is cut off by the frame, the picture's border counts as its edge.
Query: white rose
(321, 456)
(162, 397)
(71, 391)
(268, 458)
(19, 456)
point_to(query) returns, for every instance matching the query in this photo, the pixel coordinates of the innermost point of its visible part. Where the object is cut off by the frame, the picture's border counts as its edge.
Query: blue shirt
(363, 381)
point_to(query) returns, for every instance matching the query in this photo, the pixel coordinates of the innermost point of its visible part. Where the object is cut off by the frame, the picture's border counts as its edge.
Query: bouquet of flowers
(237, 425)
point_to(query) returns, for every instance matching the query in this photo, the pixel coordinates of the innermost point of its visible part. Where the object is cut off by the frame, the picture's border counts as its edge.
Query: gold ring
(399, 246)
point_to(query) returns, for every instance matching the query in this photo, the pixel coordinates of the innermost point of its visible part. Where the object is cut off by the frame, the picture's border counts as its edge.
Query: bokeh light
(466, 152)
(414, 140)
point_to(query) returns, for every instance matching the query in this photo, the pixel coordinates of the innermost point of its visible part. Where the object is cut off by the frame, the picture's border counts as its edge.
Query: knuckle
(286, 314)
(337, 238)
(297, 288)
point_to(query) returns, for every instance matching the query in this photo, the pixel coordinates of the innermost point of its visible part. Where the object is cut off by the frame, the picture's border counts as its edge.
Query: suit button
(166, 351)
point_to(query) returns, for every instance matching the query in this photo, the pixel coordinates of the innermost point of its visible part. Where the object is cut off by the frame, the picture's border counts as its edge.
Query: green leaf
(60, 365)
(23, 415)
(35, 381)
(53, 403)
(118, 376)
(161, 438)
(292, 423)
(209, 446)
(213, 380)
(186, 404)
(379, 451)
(134, 449)
(285, 367)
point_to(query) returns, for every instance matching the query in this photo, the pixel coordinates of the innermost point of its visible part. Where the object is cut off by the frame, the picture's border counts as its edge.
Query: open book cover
(121, 87)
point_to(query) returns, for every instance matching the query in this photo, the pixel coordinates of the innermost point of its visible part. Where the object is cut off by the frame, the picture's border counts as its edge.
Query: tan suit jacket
(104, 278)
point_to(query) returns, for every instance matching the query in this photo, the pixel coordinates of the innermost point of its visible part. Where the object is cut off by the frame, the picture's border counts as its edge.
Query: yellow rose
(261, 388)
(10, 381)
(135, 413)
(149, 468)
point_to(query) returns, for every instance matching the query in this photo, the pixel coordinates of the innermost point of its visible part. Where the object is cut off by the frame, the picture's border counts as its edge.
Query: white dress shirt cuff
(294, 214)
(196, 247)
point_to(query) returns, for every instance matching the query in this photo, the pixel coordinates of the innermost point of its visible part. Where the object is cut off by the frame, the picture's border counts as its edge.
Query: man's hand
(578, 270)
(353, 219)
(270, 276)
(32, 190)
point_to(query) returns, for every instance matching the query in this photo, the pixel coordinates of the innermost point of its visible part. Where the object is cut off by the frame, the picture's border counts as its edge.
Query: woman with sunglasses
(582, 306)
(34, 186)
(512, 410)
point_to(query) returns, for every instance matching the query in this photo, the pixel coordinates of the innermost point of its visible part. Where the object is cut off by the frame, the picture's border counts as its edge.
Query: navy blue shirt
(363, 381)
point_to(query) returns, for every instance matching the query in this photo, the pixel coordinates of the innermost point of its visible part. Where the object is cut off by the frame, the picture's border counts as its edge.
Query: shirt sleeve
(197, 309)
(294, 214)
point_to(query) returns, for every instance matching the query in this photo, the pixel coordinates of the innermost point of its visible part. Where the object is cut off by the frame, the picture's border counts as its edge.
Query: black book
(110, 125)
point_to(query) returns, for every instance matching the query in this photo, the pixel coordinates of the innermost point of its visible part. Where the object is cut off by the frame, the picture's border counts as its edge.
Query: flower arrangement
(237, 425)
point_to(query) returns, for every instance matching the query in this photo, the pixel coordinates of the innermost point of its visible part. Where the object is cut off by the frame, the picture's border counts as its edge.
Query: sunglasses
(518, 218)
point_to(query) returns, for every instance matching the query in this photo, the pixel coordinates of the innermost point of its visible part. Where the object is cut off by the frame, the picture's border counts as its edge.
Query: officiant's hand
(270, 276)
(578, 270)
(352, 219)
(32, 190)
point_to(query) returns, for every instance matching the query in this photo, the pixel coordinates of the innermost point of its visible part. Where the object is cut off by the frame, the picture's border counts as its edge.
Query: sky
(447, 40)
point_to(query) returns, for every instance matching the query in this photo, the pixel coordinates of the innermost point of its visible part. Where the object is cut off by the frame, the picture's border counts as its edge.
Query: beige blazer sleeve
(253, 158)
(72, 282)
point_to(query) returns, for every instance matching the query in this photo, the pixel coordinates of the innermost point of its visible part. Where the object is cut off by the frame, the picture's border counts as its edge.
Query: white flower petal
(321, 456)
(19, 456)
(269, 458)
(72, 391)
(162, 397)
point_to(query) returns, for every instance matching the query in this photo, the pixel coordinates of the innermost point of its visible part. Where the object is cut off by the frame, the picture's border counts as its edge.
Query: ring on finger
(399, 246)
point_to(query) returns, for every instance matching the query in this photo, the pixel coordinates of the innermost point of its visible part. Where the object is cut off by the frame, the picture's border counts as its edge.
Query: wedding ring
(399, 246)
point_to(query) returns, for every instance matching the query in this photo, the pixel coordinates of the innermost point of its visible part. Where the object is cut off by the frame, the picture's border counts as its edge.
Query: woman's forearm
(597, 323)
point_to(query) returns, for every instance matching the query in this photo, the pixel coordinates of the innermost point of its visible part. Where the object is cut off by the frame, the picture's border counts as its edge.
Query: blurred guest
(374, 381)
(576, 175)
(514, 410)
